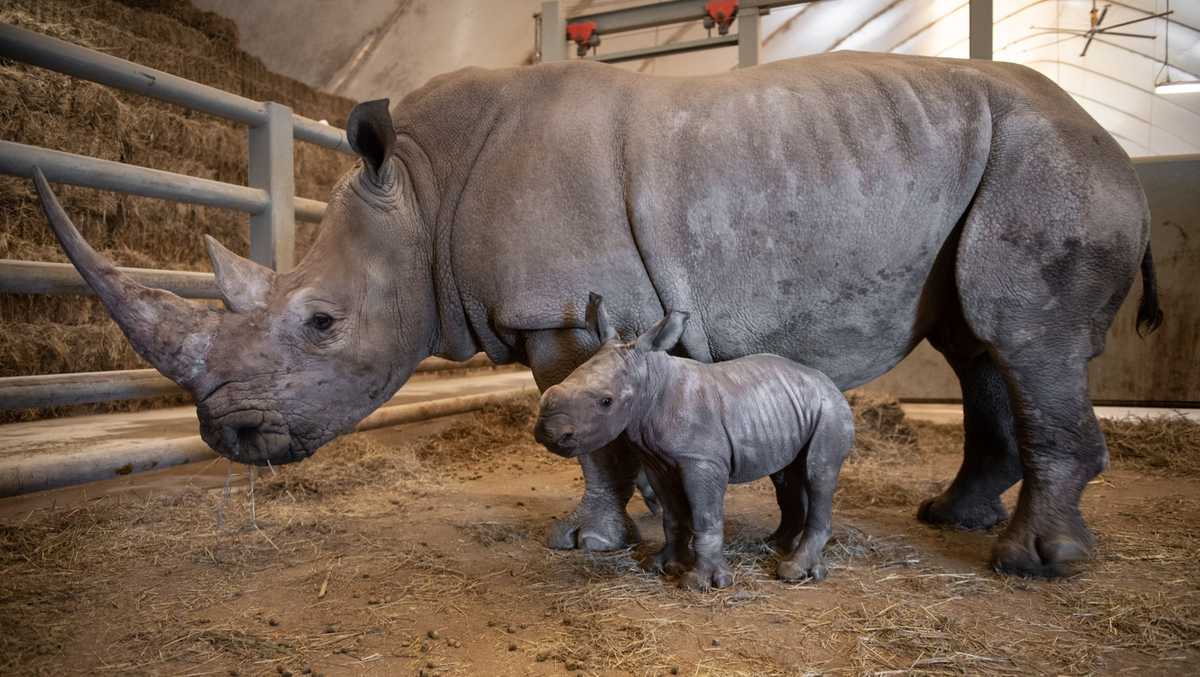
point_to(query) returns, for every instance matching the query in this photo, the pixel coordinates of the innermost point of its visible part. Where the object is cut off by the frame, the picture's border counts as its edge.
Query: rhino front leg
(600, 521)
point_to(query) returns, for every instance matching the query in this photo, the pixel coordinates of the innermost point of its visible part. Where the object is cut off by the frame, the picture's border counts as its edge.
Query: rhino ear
(597, 319)
(244, 284)
(371, 134)
(665, 334)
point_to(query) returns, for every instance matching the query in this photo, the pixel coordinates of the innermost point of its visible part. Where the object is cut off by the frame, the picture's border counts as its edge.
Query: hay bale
(1158, 445)
(880, 428)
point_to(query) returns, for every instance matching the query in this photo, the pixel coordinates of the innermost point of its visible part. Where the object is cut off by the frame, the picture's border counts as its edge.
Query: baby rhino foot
(705, 576)
(801, 566)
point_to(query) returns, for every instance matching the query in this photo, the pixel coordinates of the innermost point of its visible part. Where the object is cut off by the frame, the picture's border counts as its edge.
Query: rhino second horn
(244, 284)
(166, 330)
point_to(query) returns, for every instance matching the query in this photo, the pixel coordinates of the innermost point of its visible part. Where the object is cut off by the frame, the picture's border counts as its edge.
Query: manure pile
(39, 107)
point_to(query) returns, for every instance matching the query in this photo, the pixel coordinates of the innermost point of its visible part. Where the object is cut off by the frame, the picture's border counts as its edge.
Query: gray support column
(273, 230)
(980, 27)
(749, 42)
(554, 32)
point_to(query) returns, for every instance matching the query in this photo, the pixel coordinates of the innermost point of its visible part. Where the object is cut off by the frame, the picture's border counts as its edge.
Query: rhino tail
(1150, 315)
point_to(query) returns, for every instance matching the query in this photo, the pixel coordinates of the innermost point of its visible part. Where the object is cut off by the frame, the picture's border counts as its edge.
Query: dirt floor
(393, 555)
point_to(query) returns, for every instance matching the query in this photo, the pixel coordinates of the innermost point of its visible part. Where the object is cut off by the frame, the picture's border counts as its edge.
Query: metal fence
(269, 199)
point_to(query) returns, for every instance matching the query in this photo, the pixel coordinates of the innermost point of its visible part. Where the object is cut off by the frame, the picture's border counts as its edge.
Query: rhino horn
(244, 284)
(167, 331)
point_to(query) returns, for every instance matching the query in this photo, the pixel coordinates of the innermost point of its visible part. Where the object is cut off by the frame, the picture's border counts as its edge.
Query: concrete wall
(1163, 367)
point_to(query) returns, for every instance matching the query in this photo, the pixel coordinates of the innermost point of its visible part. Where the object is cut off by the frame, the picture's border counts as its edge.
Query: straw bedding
(425, 558)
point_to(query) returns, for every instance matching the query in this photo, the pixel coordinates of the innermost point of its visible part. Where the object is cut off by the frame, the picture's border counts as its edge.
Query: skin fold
(834, 210)
(696, 428)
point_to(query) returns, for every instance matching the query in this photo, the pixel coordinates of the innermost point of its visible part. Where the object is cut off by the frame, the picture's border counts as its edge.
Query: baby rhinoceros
(699, 427)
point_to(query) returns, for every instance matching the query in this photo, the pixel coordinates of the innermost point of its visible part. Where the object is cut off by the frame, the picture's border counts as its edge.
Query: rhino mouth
(254, 437)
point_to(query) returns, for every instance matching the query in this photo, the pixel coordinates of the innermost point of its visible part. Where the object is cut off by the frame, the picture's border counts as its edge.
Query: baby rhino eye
(321, 321)
(606, 402)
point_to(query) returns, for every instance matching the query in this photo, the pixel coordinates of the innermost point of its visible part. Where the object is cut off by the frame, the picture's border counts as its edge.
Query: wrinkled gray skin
(697, 427)
(833, 209)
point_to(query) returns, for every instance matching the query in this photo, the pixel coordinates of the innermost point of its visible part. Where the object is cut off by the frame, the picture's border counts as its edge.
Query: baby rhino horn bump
(169, 332)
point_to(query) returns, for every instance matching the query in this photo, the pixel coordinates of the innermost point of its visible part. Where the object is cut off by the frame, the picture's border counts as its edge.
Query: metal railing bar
(730, 40)
(60, 390)
(328, 136)
(309, 210)
(58, 279)
(57, 390)
(105, 460)
(64, 57)
(19, 159)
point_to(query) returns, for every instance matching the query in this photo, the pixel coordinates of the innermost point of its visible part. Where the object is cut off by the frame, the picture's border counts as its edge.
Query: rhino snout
(251, 437)
(556, 434)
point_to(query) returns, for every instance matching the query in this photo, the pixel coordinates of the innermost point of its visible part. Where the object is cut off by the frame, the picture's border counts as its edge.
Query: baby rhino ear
(665, 334)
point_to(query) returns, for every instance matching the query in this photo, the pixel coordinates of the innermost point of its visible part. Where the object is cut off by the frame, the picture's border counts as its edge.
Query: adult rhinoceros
(835, 209)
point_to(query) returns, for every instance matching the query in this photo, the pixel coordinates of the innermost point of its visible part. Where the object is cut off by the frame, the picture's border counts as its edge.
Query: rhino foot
(707, 576)
(791, 571)
(968, 515)
(1048, 553)
(805, 563)
(595, 530)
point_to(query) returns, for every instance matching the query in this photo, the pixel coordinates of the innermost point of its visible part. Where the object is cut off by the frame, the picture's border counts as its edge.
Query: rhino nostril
(566, 438)
(247, 436)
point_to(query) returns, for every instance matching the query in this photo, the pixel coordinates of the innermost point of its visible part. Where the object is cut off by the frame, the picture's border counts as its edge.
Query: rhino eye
(606, 402)
(321, 321)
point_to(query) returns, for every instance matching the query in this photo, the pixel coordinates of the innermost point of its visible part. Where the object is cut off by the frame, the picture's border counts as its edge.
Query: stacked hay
(39, 107)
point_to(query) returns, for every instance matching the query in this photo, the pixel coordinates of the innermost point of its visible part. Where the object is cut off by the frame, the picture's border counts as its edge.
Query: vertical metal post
(748, 41)
(273, 230)
(980, 29)
(554, 32)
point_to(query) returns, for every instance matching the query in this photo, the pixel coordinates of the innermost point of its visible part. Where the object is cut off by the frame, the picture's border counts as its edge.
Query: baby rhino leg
(793, 504)
(820, 463)
(705, 487)
(675, 557)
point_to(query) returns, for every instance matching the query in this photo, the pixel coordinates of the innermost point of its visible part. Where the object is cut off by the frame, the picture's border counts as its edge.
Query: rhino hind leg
(991, 463)
(1064, 450)
(1048, 250)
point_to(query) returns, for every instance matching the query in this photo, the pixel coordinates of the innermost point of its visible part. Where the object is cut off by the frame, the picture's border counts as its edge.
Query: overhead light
(1177, 87)
(1168, 86)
